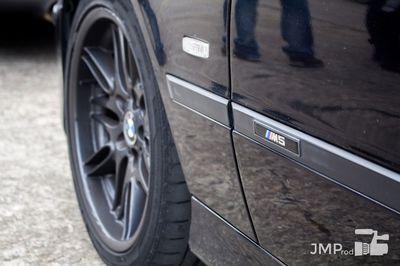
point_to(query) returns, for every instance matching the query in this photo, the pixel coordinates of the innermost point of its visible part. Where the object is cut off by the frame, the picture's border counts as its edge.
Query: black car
(238, 132)
(35, 7)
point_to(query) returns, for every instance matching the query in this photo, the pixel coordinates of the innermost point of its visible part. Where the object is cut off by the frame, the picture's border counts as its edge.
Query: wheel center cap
(130, 129)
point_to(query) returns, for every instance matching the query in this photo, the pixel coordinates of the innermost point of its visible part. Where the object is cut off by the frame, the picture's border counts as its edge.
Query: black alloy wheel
(113, 130)
(128, 180)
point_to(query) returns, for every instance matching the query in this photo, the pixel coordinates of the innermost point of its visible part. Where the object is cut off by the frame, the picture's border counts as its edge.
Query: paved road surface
(40, 223)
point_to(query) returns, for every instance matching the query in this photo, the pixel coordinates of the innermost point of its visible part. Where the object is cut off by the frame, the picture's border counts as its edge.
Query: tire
(147, 219)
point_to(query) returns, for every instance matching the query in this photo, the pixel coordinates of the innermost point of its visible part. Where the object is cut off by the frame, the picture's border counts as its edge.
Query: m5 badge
(277, 138)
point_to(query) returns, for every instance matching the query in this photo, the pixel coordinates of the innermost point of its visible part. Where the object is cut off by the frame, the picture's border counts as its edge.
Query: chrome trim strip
(216, 242)
(374, 181)
(199, 100)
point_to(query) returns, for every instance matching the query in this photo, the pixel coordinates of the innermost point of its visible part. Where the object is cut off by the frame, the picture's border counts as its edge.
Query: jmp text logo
(374, 248)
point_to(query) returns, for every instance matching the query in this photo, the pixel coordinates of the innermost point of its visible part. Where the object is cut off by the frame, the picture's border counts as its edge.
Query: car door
(315, 91)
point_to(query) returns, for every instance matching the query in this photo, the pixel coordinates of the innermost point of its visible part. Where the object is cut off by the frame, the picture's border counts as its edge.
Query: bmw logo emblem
(130, 128)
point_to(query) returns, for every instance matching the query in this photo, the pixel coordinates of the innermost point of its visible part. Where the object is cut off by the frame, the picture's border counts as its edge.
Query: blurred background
(40, 223)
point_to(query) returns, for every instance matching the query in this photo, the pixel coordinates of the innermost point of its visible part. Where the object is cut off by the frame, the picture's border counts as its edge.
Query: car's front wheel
(127, 176)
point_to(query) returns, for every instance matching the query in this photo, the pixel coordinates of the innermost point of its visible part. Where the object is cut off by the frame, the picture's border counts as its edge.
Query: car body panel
(205, 150)
(352, 171)
(198, 19)
(340, 114)
(204, 144)
(216, 242)
(351, 102)
(293, 207)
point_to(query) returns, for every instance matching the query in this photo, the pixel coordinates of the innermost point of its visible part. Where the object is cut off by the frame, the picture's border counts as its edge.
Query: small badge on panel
(278, 138)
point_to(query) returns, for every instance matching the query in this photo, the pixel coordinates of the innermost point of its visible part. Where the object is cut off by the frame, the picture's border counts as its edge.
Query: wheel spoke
(146, 127)
(146, 158)
(144, 140)
(110, 125)
(100, 163)
(120, 61)
(146, 144)
(105, 120)
(109, 104)
(100, 65)
(138, 94)
(124, 180)
(121, 165)
(127, 214)
(108, 188)
(141, 173)
(133, 207)
(134, 171)
(101, 101)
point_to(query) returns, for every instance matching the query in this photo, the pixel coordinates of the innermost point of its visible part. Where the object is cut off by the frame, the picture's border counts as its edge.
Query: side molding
(201, 101)
(362, 176)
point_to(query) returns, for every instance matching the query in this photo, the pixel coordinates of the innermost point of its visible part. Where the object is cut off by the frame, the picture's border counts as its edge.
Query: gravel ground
(40, 223)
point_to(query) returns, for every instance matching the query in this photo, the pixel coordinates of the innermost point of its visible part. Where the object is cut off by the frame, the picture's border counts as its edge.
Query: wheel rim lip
(111, 242)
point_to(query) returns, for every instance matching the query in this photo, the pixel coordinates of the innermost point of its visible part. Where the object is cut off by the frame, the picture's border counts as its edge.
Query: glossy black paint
(293, 207)
(352, 101)
(354, 172)
(216, 242)
(196, 18)
(204, 146)
(207, 160)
